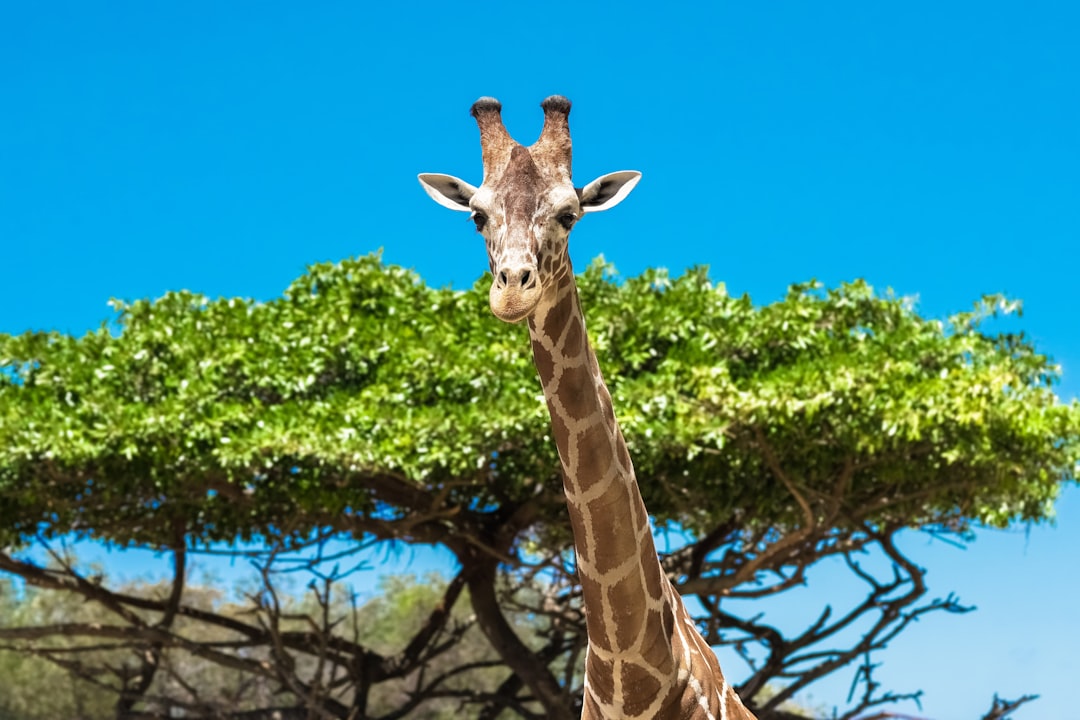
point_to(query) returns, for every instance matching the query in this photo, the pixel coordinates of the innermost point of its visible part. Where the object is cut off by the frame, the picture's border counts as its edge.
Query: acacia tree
(366, 405)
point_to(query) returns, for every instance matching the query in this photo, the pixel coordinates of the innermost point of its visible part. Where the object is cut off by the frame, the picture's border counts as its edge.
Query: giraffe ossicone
(645, 656)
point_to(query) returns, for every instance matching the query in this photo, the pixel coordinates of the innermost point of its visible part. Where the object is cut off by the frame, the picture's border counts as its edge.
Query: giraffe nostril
(502, 278)
(525, 276)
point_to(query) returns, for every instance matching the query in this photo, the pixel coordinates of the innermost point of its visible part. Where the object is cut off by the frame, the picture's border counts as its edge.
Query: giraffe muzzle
(515, 292)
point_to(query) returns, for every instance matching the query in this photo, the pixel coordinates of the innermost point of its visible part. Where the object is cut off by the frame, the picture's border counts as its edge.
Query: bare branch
(1001, 709)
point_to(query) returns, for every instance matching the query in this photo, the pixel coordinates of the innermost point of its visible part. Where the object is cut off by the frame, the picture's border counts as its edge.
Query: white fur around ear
(447, 190)
(607, 191)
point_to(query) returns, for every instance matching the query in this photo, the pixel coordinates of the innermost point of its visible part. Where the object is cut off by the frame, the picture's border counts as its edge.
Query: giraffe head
(526, 205)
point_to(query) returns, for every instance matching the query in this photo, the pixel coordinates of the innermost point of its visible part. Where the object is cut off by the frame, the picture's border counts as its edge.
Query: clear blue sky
(928, 147)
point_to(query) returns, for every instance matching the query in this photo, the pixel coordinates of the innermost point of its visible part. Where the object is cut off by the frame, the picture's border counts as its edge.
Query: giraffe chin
(513, 310)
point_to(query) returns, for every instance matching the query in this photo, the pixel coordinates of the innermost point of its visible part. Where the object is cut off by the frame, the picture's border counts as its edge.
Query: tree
(364, 404)
(49, 635)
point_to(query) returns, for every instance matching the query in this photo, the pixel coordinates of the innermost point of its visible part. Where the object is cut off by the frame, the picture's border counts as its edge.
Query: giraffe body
(645, 658)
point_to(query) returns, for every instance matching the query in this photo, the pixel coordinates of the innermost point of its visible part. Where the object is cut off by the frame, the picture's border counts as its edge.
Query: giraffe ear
(607, 191)
(447, 190)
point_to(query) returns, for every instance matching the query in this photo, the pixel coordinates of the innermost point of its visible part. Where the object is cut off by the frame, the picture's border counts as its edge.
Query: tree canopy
(363, 402)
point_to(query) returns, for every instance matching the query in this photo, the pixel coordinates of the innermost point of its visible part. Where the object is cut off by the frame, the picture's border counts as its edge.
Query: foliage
(365, 403)
(226, 416)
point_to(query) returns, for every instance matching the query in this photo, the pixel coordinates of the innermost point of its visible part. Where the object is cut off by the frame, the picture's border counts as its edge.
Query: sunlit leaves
(234, 417)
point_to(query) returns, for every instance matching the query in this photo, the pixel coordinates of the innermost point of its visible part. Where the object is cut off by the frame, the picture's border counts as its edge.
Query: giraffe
(645, 657)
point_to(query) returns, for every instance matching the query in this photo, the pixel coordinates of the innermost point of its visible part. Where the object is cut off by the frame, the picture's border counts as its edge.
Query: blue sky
(929, 148)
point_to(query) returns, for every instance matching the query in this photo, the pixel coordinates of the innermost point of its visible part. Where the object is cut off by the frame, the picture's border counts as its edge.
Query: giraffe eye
(566, 219)
(479, 218)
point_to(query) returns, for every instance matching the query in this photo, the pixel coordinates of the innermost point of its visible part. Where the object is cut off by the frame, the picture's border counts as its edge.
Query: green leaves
(938, 422)
(233, 417)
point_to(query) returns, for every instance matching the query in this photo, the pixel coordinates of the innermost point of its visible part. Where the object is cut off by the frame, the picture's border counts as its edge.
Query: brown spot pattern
(655, 644)
(545, 364)
(650, 565)
(594, 457)
(594, 615)
(577, 524)
(616, 537)
(577, 395)
(572, 340)
(558, 316)
(627, 611)
(640, 689)
(601, 678)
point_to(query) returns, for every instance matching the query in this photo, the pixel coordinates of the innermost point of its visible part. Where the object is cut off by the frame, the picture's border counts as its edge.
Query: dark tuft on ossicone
(485, 104)
(556, 103)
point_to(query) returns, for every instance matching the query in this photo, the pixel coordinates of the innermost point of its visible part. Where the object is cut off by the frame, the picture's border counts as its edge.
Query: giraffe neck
(645, 657)
(626, 595)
